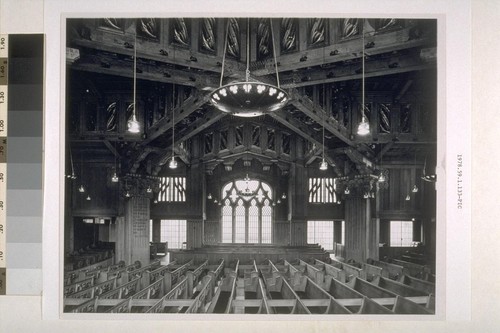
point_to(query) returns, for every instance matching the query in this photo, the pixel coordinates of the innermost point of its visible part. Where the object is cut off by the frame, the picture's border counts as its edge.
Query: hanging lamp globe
(248, 99)
(173, 163)
(323, 165)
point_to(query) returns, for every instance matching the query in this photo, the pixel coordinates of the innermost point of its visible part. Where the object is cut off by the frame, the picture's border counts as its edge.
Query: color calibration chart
(21, 143)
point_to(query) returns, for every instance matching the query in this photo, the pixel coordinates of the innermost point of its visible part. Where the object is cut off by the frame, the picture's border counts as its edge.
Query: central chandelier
(249, 98)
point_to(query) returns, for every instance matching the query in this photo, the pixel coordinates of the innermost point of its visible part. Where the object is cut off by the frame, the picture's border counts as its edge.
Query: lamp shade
(248, 99)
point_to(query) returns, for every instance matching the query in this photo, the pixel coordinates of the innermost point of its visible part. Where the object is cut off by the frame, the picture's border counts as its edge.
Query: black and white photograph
(251, 166)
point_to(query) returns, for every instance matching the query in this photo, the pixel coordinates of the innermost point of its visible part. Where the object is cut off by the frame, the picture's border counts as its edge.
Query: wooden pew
(351, 271)
(317, 275)
(419, 284)
(398, 288)
(203, 297)
(287, 300)
(369, 290)
(194, 276)
(336, 273)
(415, 270)
(124, 291)
(95, 290)
(389, 270)
(137, 273)
(118, 272)
(405, 306)
(122, 307)
(86, 307)
(179, 291)
(222, 297)
(371, 307)
(341, 291)
(369, 272)
(150, 276)
(78, 286)
(310, 290)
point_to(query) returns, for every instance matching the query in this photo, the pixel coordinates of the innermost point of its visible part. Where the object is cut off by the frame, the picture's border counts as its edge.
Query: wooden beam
(152, 51)
(349, 72)
(152, 71)
(193, 103)
(300, 129)
(112, 149)
(308, 107)
(196, 127)
(345, 50)
(384, 150)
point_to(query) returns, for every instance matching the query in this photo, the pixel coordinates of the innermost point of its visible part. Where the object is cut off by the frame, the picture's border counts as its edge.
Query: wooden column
(133, 231)
(361, 231)
(298, 199)
(195, 198)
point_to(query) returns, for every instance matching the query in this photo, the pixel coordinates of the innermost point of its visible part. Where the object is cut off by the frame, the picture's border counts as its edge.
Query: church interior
(250, 165)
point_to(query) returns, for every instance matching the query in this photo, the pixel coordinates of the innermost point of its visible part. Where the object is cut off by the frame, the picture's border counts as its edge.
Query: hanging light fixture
(72, 175)
(432, 178)
(81, 188)
(364, 125)
(415, 187)
(249, 98)
(323, 166)
(114, 178)
(133, 124)
(88, 198)
(173, 163)
(247, 193)
(283, 196)
(347, 191)
(209, 196)
(407, 197)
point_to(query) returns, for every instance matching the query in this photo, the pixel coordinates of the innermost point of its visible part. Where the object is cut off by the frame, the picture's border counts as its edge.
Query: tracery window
(322, 190)
(246, 213)
(172, 189)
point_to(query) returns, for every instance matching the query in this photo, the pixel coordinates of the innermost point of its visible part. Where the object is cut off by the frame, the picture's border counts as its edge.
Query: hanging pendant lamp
(249, 98)
(133, 124)
(364, 125)
(173, 163)
(323, 165)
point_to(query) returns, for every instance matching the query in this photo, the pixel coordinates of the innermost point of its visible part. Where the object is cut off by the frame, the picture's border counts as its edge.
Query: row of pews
(90, 255)
(299, 286)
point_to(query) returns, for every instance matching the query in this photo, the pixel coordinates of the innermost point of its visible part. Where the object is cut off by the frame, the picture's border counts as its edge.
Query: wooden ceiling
(180, 60)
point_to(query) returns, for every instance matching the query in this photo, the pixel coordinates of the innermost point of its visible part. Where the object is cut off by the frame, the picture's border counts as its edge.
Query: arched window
(246, 212)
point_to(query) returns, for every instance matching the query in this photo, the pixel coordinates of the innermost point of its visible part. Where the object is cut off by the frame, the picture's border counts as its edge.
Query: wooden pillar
(361, 230)
(298, 201)
(133, 239)
(195, 198)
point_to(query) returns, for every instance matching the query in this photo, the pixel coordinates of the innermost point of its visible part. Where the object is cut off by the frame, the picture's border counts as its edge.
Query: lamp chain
(135, 72)
(363, 71)
(224, 55)
(274, 54)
